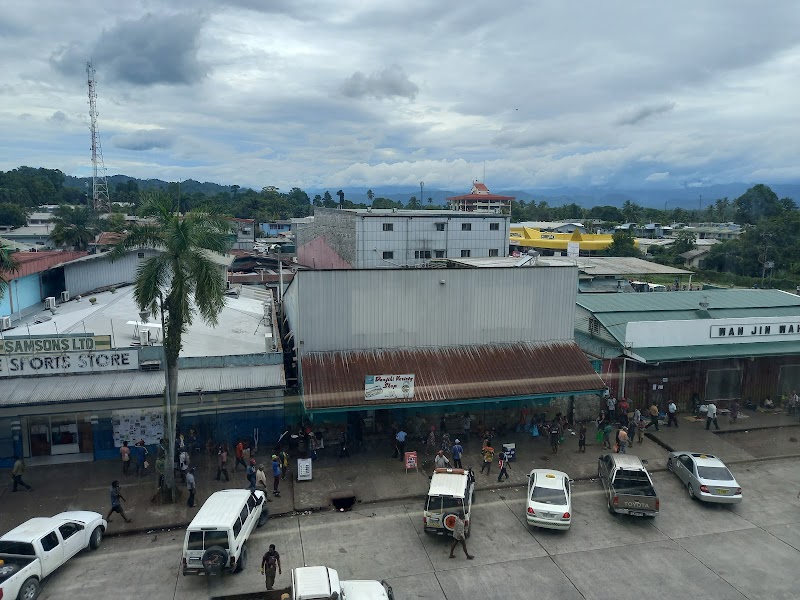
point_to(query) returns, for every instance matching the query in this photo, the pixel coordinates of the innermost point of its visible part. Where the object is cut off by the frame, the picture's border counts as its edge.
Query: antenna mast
(100, 196)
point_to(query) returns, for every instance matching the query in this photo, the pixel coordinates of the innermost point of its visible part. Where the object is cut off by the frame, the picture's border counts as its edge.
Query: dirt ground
(761, 443)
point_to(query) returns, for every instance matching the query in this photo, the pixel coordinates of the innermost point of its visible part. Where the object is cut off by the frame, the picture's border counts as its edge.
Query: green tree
(115, 222)
(74, 227)
(630, 211)
(413, 203)
(759, 202)
(370, 195)
(12, 215)
(317, 200)
(385, 203)
(684, 241)
(622, 244)
(179, 281)
(340, 193)
(8, 266)
(327, 200)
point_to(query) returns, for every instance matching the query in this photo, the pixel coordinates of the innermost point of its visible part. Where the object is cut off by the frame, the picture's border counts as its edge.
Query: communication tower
(100, 197)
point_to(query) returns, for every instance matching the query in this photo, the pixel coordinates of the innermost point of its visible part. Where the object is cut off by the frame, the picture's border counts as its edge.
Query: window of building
(494, 252)
(594, 326)
(723, 384)
(140, 255)
(388, 226)
(466, 227)
(440, 226)
(422, 254)
(466, 253)
(388, 255)
(439, 253)
(494, 226)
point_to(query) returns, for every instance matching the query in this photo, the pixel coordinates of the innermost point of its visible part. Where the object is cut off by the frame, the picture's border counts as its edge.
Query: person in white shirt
(611, 403)
(711, 416)
(672, 411)
(441, 461)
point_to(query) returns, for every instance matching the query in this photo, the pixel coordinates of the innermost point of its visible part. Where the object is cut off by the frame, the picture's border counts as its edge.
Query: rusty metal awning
(335, 380)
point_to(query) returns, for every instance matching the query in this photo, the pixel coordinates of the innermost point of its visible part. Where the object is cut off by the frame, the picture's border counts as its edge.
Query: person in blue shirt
(458, 451)
(276, 475)
(400, 444)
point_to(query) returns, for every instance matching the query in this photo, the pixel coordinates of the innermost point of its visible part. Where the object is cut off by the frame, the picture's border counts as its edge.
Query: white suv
(451, 492)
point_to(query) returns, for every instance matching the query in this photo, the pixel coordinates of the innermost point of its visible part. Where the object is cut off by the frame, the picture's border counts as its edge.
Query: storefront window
(724, 384)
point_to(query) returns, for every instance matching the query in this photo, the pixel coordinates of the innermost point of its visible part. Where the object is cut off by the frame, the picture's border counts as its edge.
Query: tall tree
(630, 211)
(622, 244)
(340, 193)
(8, 266)
(413, 203)
(74, 227)
(370, 195)
(179, 280)
(12, 215)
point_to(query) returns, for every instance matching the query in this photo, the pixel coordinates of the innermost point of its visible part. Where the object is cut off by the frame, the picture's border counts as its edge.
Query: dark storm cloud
(645, 112)
(388, 83)
(144, 139)
(151, 50)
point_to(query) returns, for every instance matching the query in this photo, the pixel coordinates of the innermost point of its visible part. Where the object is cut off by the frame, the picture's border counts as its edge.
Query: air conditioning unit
(5, 323)
(144, 337)
(65, 296)
(50, 303)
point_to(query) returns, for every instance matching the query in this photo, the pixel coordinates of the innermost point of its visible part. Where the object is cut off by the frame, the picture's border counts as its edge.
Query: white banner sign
(133, 425)
(69, 362)
(706, 332)
(388, 387)
(573, 249)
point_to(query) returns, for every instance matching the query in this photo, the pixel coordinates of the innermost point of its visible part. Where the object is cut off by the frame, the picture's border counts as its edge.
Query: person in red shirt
(240, 456)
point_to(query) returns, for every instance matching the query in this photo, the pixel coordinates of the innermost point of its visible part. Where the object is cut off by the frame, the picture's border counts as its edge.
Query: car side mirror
(572, 481)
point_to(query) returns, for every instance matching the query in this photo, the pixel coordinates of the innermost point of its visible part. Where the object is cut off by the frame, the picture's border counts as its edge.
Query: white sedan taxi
(549, 499)
(706, 477)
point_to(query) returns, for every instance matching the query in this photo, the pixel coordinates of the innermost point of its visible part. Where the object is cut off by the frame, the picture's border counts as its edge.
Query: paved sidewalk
(372, 475)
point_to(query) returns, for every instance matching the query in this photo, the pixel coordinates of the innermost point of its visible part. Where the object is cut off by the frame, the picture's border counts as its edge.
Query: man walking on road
(125, 453)
(239, 457)
(400, 443)
(16, 474)
(458, 537)
(502, 462)
(222, 462)
(623, 440)
(488, 456)
(276, 475)
(191, 486)
(251, 472)
(711, 416)
(653, 417)
(672, 411)
(458, 450)
(440, 461)
(611, 403)
(269, 564)
(116, 502)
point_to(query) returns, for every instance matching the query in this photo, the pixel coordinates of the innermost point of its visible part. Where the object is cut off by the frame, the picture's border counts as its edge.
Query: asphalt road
(690, 550)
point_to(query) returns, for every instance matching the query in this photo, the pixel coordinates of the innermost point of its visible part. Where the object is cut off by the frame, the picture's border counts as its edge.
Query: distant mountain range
(689, 198)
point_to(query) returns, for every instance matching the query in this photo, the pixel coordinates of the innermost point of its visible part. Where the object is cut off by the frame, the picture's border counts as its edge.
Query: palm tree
(74, 227)
(370, 195)
(8, 266)
(180, 279)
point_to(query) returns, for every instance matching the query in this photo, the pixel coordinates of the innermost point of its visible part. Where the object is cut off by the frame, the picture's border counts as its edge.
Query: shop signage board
(53, 344)
(389, 387)
(36, 365)
(411, 460)
(705, 332)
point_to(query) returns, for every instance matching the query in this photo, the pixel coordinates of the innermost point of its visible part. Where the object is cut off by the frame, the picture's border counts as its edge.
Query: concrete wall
(21, 294)
(88, 275)
(337, 230)
(401, 308)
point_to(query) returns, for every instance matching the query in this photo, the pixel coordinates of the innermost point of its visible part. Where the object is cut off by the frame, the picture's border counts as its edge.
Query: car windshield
(548, 496)
(714, 473)
(21, 548)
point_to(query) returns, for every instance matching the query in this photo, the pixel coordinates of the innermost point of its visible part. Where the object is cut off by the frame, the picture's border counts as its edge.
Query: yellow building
(529, 238)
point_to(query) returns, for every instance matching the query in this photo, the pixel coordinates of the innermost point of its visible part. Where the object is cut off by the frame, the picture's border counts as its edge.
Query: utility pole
(421, 188)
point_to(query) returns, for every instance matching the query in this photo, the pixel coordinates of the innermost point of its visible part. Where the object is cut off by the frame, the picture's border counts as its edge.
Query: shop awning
(336, 380)
(712, 351)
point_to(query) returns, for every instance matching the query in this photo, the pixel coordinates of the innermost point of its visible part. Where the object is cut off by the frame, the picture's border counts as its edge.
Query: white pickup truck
(322, 583)
(32, 551)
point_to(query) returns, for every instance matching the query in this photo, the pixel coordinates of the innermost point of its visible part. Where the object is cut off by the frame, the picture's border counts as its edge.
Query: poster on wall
(388, 387)
(138, 424)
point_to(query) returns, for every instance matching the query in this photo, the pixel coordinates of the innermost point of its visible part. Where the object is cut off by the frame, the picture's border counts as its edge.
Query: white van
(216, 539)
(451, 492)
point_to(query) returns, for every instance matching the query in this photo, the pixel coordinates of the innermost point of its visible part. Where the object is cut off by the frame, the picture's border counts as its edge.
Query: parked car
(629, 489)
(216, 539)
(35, 549)
(549, 499)
(706, 477)
(312, 583)
(451, 491)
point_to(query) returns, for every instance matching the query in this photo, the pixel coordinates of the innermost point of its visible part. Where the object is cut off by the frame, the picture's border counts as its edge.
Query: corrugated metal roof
(336, 379)
(674, 301)
(29, 263)
(682, 353)
(136, 384)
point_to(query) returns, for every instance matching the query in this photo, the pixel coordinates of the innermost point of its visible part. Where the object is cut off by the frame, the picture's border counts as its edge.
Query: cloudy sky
(312, 93)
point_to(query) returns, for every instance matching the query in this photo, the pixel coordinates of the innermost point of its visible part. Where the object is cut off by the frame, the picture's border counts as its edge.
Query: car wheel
(263, 517)
(241, 564)
(670, 466)
(97, 537)
(29, 589)
(690, 489)
(214, 560)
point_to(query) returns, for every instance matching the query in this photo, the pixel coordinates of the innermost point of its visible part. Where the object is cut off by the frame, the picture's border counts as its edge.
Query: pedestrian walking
(623, 440)
(458, 451)
(607, 434)
(640, 427)
(183, 464)
(611, 403)
(191, 486)
(125, 453)
(116, 502)
(458, 537)
(251, 474)
(637, 415)
(440, 461)
(582, 438)
(141, 458)
(270, 563)
(672, 411)
(488, 457)
(261, 477)
(711, 416)
(622, 411)
(734, 411)
(502, 462)
(653, 417)
(445, 447)
(283, 457)
(430, 444)
(400, 444)
(222, 462)
(443, 425)
(524, 419)
(343, 451)
(239, 451)
(276, 476)
(555, 433)
(16, 474)
(466, 424)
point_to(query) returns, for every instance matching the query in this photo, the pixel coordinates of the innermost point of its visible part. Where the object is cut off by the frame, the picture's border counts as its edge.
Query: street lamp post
(421, 188)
